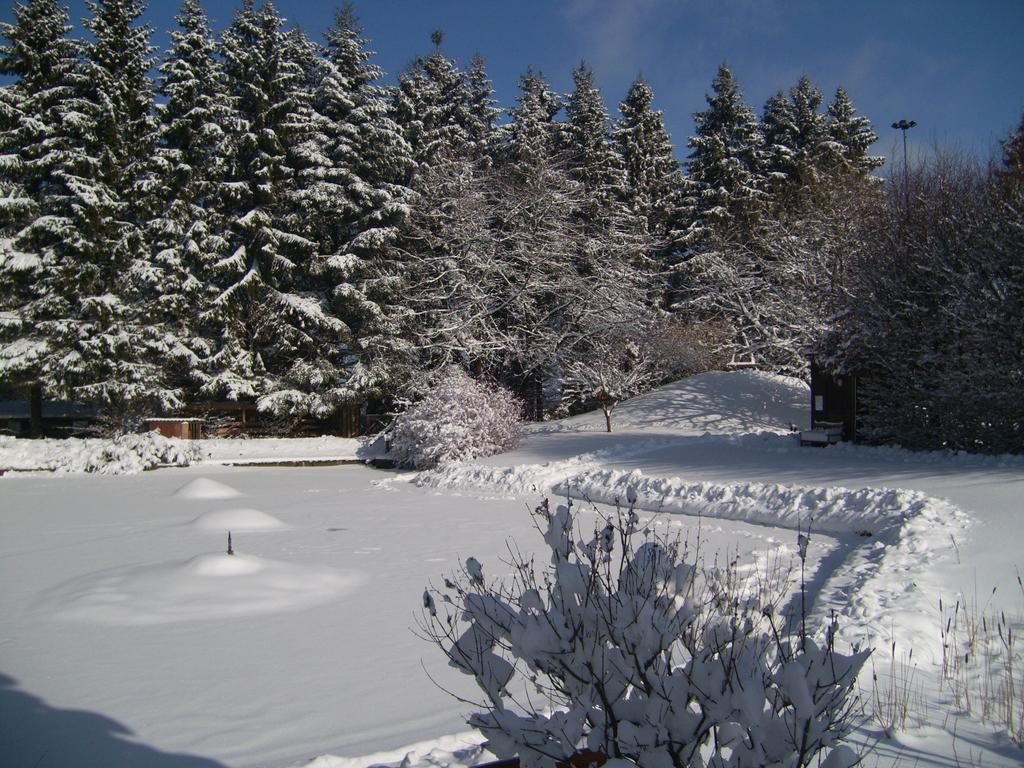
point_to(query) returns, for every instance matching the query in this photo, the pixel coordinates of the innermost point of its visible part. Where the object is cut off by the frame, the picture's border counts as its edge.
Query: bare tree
(614, 367)
(505, 275)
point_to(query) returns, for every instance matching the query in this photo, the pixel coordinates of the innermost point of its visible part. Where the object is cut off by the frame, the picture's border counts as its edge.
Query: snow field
(278, 685)
(114, 594)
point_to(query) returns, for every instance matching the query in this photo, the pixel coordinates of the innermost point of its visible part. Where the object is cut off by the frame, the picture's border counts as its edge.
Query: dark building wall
(834, 399)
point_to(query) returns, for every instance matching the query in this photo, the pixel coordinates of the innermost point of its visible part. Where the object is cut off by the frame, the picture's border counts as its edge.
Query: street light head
(913, 123)
(896, 126)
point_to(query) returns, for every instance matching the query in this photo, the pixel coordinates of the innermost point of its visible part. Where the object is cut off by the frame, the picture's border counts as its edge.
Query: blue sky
(954, 66)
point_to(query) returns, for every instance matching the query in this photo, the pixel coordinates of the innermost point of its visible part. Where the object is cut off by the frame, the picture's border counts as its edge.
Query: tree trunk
(35, 410)
(607, 417)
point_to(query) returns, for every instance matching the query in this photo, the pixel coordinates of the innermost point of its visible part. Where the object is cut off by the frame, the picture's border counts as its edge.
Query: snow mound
(205, 488)
(223, 564)
(239, 520)
(203, 588)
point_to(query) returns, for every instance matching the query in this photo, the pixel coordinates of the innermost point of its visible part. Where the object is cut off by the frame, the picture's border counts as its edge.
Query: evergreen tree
(119, 350)
(280, 343)
(590, 157)
(653, 180)
(851, 135)
(187, 230)
(79, 330)
(35, 144)
(431, 105)
(353, 194)
(805, 148)
(810, 134)
(533, 138)
(725, 185)
(483, 109)
(778, 127)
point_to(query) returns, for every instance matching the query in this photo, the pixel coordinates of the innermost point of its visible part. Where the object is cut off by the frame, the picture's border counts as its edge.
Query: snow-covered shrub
(621, 647)
(129, 454)
(458, 418)
(122, 455)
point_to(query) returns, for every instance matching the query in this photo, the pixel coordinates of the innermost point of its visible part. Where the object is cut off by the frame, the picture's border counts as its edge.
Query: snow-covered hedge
(457, 419)
(122, 455)
(622, 648)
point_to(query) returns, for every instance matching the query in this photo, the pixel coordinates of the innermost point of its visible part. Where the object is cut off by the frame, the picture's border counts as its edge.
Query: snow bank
(717, 402)
(206, 587)
(122, 455)
(527, 478)
(828, 510)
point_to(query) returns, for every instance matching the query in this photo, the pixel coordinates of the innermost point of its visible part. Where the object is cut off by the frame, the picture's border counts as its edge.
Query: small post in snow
(231, 550)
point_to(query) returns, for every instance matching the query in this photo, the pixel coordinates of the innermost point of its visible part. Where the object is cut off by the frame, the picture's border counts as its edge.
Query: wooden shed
(183, 429)
(833, 407)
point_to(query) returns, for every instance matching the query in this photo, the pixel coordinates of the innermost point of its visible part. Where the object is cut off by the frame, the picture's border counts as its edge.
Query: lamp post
(905, 125)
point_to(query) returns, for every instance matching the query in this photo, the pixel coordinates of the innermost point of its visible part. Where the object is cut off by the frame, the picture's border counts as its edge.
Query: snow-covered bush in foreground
(122, 455)
(457, 419)
(622, 648)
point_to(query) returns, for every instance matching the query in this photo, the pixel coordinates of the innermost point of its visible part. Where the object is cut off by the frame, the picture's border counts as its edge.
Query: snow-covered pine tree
(454, 285)
(483, 109)
(33, 140)
(725, 180)
(187, 231)
(78, 329)
(653, 181)
(280, 342)
(580, 274)
(119, 360)
(431, 105)
(851, 135)
(778, 127)
(811, 136)
(590, 157)
(776, 282)
(119, 58)
(533, 138)
(805, 147)
(504, 276)
(612, 238)
(353, 195)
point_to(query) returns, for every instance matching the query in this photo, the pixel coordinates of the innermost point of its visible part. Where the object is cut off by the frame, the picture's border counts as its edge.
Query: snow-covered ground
(128, 636)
